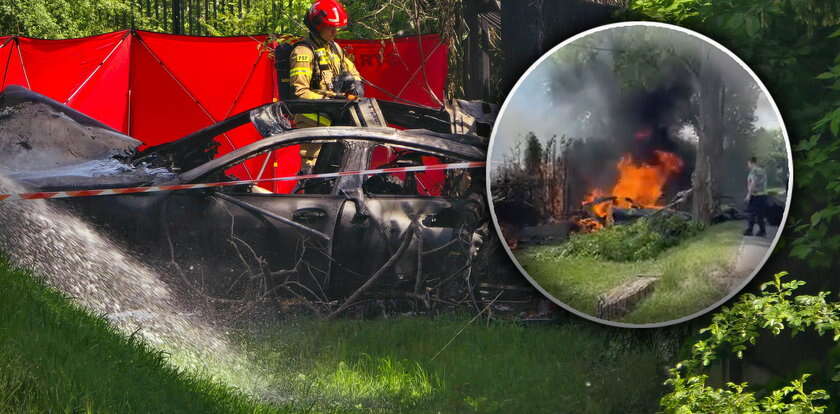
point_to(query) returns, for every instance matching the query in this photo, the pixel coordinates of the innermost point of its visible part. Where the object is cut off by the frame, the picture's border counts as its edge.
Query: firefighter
(756, 198)
(320, 69)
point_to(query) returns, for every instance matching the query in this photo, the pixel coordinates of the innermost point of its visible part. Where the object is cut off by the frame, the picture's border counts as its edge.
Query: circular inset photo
(640, 174)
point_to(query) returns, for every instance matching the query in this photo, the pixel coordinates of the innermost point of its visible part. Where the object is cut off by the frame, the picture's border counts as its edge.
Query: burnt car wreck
(331, 244)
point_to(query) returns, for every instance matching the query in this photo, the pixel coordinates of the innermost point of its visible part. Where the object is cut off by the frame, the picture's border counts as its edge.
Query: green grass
(685, 286)
(57, 357)
(388, 366)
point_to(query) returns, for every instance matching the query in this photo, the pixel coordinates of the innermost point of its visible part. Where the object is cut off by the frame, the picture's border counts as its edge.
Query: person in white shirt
(756, 198)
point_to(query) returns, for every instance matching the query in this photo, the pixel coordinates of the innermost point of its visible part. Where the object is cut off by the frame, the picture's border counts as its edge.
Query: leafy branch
(735, 329)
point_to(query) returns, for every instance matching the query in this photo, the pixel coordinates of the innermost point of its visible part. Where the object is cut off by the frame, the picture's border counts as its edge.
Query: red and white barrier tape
(135, 190)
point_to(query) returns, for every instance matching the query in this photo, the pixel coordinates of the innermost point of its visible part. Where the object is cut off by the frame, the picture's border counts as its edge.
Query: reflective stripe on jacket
(327, 61)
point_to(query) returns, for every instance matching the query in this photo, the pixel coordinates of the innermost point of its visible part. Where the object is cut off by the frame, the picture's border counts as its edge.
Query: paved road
(752, 252)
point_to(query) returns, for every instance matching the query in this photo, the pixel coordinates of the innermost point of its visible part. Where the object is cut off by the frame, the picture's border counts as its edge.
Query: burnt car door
(283, 241)
(359, 224)
(445, 207)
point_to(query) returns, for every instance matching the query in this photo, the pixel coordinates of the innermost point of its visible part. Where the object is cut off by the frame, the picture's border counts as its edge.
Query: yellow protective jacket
(326, 62)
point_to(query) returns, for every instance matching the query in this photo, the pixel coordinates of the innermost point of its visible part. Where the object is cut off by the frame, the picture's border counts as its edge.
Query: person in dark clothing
(756, 198)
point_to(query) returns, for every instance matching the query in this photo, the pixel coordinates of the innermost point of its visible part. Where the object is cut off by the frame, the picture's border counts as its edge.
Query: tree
(653, 59)
(533, 154)
(793, 46)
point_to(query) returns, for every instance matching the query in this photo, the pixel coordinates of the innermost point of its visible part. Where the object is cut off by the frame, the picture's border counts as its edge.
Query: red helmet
(326, 13)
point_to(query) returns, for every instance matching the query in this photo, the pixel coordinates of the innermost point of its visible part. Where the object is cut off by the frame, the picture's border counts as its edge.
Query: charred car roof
(194, 155)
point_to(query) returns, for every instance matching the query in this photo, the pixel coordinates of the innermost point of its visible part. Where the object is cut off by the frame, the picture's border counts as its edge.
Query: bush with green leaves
(643, 239)
(735, 328)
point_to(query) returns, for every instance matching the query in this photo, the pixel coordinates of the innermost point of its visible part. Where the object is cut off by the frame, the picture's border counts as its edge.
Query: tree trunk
(476, 65)
(706, 177)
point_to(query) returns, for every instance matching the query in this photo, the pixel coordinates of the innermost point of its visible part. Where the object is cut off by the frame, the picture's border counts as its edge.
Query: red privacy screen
(158, 87)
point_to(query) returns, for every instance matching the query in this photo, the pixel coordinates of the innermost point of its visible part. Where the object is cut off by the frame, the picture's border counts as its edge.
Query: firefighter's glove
(346, 83)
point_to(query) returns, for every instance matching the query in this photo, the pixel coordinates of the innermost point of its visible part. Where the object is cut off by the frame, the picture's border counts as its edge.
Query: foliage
(769, 147)
(369, 19)
(259, 18)
(63, 18)
(531, 180)
(643, 239)
(79, 18)
(386, 19)
(735, 328)
(789, 44)
(793, 47)
(818, 167)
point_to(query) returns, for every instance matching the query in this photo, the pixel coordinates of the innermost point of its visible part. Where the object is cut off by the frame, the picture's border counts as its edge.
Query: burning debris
(652, 174)
(640, 185)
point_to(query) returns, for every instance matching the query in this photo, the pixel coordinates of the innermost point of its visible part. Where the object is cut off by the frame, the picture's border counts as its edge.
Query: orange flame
(640, 182)
(588, 225)
(600, 209)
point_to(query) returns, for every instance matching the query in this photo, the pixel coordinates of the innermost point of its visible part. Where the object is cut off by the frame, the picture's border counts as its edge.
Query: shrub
(733, 330)
(643, 239)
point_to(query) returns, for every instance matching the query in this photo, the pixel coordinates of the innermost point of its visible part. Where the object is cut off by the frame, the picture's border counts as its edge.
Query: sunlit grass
(369, 378)
(57, 357)
(387, 366)
(686, 285)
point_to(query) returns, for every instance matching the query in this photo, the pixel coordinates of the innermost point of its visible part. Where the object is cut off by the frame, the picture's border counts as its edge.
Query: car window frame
(372, 148)
(372, 136)
(268, 150)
